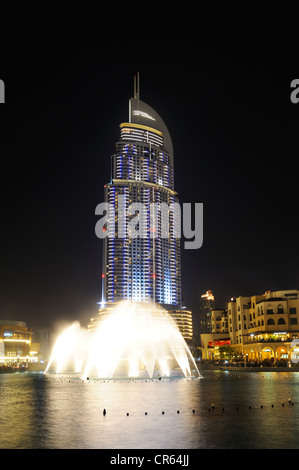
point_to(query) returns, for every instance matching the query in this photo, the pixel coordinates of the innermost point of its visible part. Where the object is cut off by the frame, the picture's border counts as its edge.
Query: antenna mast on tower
(136, 95)
(136, 87)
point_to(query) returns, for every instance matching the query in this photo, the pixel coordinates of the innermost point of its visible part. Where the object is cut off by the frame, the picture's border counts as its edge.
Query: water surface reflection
(221, 410)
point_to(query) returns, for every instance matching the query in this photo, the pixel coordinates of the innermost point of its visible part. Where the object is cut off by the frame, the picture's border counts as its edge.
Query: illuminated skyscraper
(143, 268)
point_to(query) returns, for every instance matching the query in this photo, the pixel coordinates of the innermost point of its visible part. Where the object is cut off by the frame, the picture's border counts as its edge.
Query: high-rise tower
(142, 268)
(206, 307)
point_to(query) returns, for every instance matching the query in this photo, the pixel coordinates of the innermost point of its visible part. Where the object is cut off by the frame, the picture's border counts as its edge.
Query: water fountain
(135, 337)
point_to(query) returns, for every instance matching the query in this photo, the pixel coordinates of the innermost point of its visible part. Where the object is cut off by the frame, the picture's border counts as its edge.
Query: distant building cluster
(19, 346)
(259, 328)
(255, 329)
(15, 343)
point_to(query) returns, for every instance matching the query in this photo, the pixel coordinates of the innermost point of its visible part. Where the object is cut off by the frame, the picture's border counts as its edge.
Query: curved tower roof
(144, 115)
(147, 266)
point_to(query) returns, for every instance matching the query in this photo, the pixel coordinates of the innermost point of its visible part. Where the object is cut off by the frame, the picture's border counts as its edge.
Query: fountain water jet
(138, 334)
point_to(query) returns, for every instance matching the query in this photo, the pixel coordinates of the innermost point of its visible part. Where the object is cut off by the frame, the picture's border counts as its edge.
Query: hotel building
(259, 327)
(146, 268)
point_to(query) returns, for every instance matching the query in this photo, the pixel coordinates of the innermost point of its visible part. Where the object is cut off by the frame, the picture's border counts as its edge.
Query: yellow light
(140, 126)
(208, 295)
(17, 340)
(13, 358)
(143, 114)
(146, 184)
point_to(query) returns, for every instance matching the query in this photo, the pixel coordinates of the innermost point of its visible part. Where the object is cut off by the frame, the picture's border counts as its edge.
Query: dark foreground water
(40, 411)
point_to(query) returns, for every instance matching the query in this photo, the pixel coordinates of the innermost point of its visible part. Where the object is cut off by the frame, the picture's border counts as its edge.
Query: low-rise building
(260, 328)
(15, 342)
(210, 344)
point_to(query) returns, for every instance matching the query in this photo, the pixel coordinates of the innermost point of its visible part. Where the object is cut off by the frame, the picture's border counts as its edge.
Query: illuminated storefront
(15, 343)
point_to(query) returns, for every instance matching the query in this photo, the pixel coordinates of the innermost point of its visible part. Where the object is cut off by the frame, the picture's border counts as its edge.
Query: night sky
(220, 78)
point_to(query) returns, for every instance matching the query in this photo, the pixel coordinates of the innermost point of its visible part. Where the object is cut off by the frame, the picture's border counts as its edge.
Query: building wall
(261, 327)
(15, 342)
(218, 321)
(183, 319)
(210, 343)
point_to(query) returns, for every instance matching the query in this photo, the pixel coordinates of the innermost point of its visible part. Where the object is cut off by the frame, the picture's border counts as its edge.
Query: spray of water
(134, 334)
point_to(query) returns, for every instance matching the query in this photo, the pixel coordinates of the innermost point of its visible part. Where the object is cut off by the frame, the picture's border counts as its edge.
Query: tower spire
(136, 87)
(136, 95)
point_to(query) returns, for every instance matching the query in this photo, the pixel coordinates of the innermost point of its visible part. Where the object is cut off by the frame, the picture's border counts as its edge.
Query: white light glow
(143, 114)
(134, 336)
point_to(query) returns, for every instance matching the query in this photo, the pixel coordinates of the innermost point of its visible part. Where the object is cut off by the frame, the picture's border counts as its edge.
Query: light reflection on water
(52, 411)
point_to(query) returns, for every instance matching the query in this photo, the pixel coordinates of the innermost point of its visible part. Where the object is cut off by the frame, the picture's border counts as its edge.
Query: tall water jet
(134, 336)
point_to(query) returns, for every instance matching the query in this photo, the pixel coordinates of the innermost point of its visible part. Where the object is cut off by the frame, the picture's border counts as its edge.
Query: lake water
(50, 411)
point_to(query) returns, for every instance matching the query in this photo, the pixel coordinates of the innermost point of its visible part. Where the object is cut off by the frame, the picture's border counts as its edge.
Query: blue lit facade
(142, 269)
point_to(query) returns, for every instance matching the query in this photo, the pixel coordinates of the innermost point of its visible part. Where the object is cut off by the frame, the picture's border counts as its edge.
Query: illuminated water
(53, 411)
(134, 336)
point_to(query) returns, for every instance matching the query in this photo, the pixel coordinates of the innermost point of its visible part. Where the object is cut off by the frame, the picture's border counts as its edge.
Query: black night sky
(219, 77)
